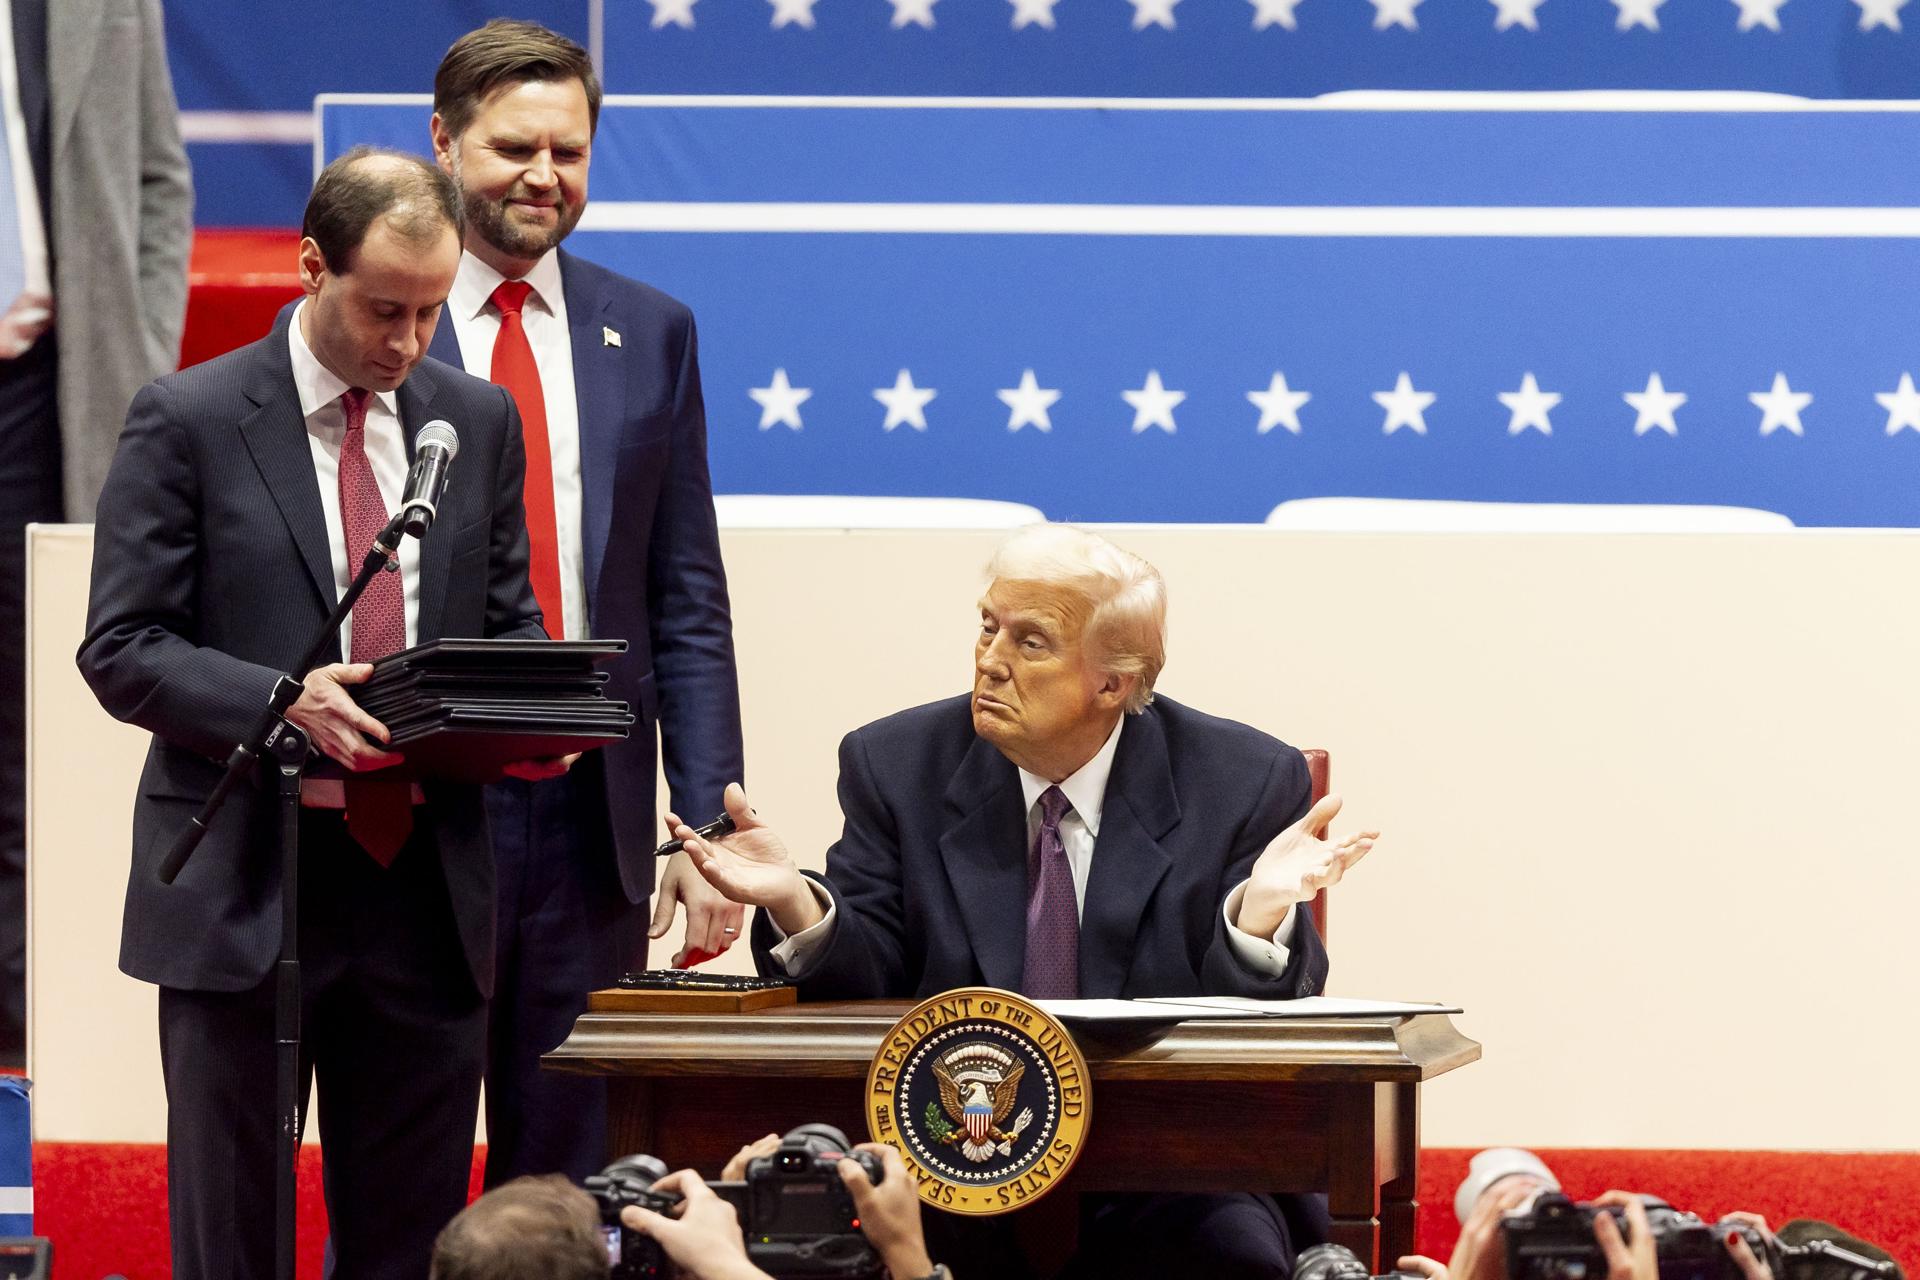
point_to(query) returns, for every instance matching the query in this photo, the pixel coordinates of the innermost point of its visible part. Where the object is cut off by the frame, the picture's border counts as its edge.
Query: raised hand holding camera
(703, 1238)
(889, 1211)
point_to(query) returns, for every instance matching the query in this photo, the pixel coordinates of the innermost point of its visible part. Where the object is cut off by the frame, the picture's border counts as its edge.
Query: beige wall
(1647, 799)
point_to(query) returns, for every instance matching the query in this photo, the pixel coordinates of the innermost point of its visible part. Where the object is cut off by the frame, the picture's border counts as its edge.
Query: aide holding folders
(243, 493)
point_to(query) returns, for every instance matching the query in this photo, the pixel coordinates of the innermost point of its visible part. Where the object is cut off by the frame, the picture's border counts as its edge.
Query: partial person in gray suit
(96, 217)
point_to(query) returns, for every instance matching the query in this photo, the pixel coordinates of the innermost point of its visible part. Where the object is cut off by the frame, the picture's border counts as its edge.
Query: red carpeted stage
(104, 1206)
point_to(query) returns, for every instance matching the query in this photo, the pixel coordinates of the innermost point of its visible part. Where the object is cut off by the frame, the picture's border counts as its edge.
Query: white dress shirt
(476, 324)
(1086, 791)
(29, 314)
(320, 391)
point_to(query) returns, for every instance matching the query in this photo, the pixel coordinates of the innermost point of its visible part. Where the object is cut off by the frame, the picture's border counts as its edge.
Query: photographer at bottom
(1517, 1224)
(529, 1229)
(702, 1235)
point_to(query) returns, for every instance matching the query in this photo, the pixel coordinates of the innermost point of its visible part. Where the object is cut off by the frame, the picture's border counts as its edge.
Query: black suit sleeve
(688, 613)
(866, 956)
(512, 610)
(1284, 799)
(138, 656)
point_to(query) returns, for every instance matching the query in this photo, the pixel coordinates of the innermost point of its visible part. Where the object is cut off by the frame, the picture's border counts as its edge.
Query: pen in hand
(720, 826)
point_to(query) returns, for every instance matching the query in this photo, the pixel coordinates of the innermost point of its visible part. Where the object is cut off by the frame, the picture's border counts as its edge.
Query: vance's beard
(490, 218)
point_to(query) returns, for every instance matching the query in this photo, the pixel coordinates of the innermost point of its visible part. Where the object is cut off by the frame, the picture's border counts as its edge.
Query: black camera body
(1554, 1241)
(629, 1180)
(798, 1216)
(1337, 1262)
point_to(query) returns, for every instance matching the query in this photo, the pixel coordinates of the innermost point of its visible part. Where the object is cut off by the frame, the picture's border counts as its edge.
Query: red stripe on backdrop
(104, 1205)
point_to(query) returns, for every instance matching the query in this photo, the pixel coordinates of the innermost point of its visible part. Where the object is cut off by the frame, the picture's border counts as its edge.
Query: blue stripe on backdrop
(1244, 48)
(1564, 328)
(1311, 156)
(250, 184)
(245, 55)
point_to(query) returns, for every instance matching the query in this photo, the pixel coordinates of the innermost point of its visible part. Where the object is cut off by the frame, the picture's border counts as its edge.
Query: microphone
(433, 452)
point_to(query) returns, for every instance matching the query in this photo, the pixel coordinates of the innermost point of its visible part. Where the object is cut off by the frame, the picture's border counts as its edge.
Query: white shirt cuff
(1267, 956)
(792, 954)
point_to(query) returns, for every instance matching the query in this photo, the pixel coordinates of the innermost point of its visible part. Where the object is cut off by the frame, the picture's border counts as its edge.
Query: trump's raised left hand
(1297, 865)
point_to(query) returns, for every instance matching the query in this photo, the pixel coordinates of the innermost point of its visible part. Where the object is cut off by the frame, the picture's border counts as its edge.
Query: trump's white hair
(1126, 632)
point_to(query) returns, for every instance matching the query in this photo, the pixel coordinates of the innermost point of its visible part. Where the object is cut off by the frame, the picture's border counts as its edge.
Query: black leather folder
(465, 709)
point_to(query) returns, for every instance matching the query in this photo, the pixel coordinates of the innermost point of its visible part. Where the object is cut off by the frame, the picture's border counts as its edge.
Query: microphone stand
(275, 736)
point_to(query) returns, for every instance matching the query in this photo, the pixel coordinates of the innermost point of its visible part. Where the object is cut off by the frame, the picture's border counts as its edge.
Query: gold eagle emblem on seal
(985, 1096)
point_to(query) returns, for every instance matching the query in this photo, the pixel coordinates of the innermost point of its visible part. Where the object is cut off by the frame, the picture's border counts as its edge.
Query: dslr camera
(797, 1216)
(629, 1180)
(1553, 1240)
(1337, 1262)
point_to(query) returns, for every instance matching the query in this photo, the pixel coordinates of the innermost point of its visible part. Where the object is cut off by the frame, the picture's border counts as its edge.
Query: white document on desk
(1162, 1012)
(1304, 1007)
(1199, 1008)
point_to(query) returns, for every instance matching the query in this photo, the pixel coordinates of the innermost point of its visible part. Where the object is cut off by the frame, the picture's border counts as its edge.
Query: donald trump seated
(1061, 831)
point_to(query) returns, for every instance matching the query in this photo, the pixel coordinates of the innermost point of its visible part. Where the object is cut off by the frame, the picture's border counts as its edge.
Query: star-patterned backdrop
(1193, 314)
(1259, 48)
(253, 161)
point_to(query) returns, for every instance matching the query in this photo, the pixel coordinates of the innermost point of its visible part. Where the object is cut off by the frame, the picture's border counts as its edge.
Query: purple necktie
(1053, 915)
(379, 810)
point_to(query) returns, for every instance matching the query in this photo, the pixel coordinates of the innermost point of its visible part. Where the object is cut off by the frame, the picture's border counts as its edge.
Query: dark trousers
(29, 493)
(393, 1037)
(565, 928)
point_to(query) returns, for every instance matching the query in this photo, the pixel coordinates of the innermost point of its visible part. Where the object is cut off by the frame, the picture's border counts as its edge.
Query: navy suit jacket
(929, 878)
(212, 574)
(651, 552)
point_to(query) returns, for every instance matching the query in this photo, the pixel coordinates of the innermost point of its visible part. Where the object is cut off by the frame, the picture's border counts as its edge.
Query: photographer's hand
(703, 1238)
(735, 1169)
(1751, 1267)
(1419, 1264)
(1634, 1257)
(1481, 1253)
(889, 1213)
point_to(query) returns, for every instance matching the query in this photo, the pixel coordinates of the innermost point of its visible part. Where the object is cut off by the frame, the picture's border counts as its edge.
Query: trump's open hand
(1297, 865)
(752, 866)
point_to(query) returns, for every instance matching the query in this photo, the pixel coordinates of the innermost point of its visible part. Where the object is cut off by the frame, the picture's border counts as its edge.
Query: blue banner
(1189, 314)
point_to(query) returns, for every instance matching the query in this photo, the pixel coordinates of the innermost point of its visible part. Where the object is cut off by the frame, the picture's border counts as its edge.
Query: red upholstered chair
(1320, 771)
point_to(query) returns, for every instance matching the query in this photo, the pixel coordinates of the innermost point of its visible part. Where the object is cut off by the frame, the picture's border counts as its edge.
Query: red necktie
(379, 810)
(514, 369)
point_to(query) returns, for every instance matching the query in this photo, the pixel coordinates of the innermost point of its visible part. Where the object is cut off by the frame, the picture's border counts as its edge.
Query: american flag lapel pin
(609, 336)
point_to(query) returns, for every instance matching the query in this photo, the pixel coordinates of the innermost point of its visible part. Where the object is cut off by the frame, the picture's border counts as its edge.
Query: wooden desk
(1272, 1105)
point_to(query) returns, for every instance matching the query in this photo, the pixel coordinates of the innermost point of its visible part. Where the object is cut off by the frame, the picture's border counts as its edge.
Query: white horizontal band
(1368, 221)
(247, 126)
(1661, 100)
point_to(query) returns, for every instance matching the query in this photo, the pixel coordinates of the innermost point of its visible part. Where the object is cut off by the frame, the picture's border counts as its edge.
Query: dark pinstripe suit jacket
(211, 574)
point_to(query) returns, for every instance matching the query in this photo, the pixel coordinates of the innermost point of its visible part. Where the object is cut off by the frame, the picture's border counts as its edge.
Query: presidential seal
(984, 1096)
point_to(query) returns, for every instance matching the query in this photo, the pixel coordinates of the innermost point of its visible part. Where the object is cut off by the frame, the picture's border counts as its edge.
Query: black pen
(720, 826)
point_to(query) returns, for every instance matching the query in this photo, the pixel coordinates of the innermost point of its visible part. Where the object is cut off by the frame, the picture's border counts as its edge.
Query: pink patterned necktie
(379, 810)
(1053, 914)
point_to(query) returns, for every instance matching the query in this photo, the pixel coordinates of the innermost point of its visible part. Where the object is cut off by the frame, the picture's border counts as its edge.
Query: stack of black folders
(464, 709)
